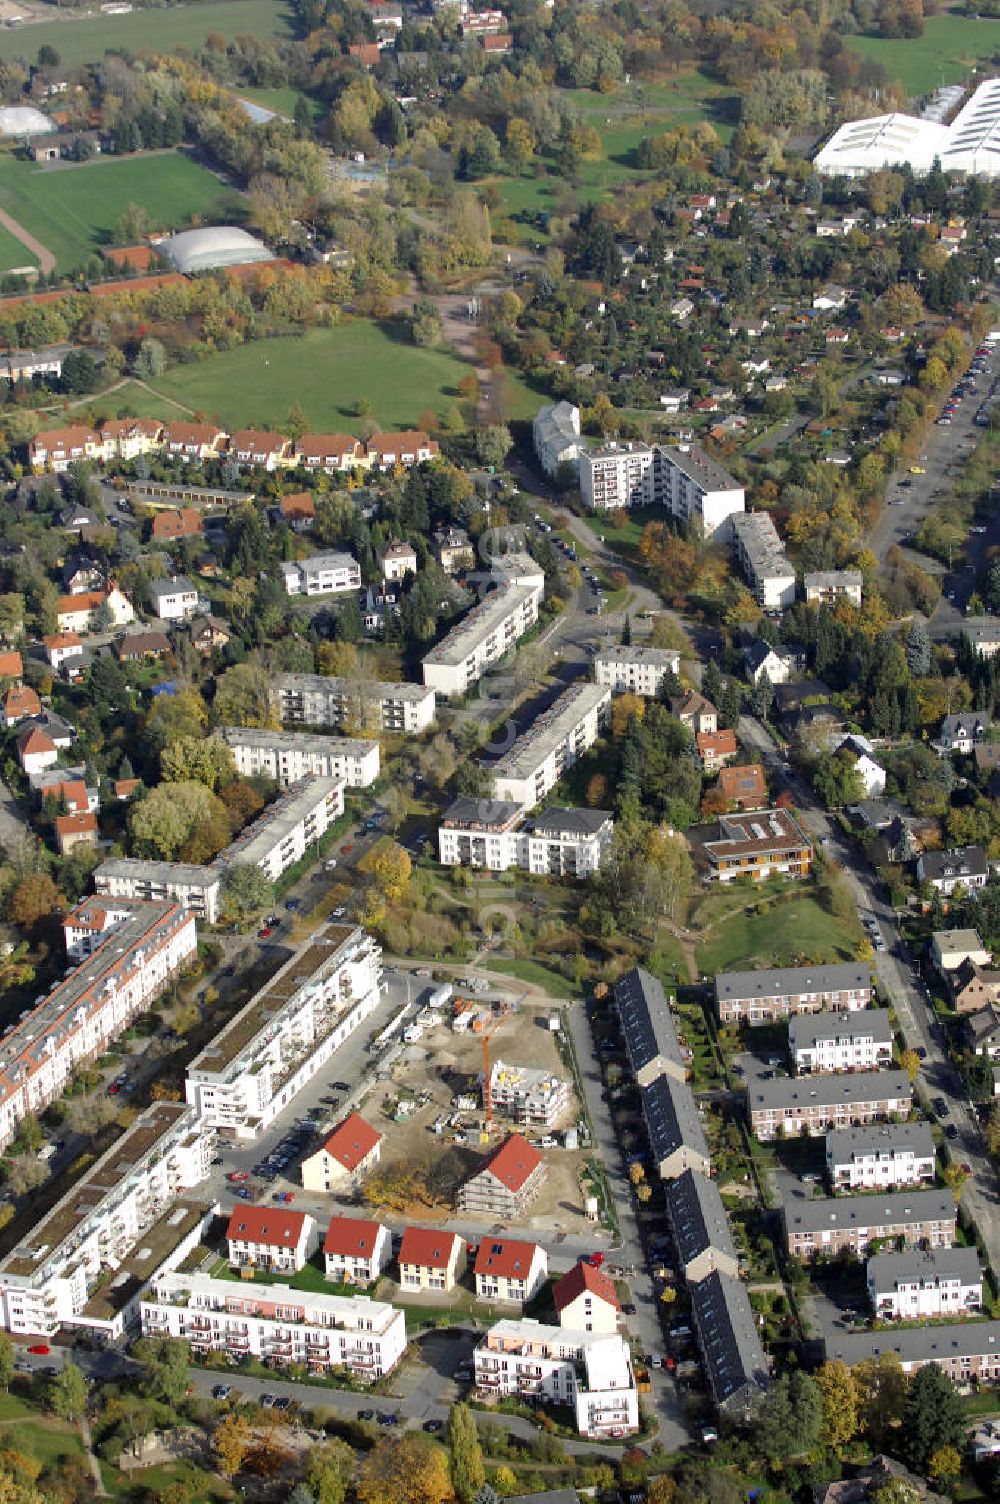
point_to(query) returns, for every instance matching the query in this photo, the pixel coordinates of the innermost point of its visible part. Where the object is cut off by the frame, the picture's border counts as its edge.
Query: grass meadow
(85, 40)
(949, 49)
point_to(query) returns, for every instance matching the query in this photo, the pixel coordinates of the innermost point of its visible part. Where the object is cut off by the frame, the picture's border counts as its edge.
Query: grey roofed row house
(836, 1222)
(676, 1137)
(888, 1270)
(889, 1138)
(947, 1346)
(647, 1027)
(806, 1030)
(730, 1343)
(775, 992)
(816, 1102)
(700, 1227)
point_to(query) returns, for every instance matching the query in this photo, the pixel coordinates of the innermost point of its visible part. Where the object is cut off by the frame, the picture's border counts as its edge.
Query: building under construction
(525, 1095)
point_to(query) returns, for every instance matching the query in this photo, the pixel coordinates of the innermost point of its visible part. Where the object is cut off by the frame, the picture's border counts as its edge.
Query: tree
(79, 372)
(945, 1465)
(493, 444)
(230, 1442)
(24, 1174)
(933, 1416)
(338, 659)
(668, 855)
(169, 815)
(910, 1061)
(918, 649)
(328, 1472)
(390, 865)
(197, 759)
(790, 1420)
(840, 1402)
(623, 709)
(246, 891)
(67, 1396)
(6, 1360)
(243, 697)
(164, 1368)
(467, 1471)
(410, 1470)
(954, 1177)
(151, 359)
(34, 899)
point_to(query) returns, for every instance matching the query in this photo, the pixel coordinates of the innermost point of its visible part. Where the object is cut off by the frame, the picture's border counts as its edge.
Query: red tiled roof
(398, 443)
(63, 640)
(742, 782)
(506, 1257)
(513, 1162)
(11, 666)
(258, 441)
(273, 1226)
(184, 523)
(73, 790)
(21, 700)
(194, 433)
(297, 506)
(123, 787)
(584, 1277)
(352, 1237)
(124, 428)
(352, 1141)
(428, 1247)
(716, 741)
(87, 600)
(67, 825)
(34, 741)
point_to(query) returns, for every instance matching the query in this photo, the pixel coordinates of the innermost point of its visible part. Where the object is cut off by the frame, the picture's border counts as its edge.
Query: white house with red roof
(271, 1238)
(586, 1300)
(430, 1259)
(62, 646)
(506, 1182)
(510, 1270)
(356, 1250)
(36, 750)
(352, 1149)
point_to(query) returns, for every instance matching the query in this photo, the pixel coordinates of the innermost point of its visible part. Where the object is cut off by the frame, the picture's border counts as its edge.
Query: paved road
(900, 981)
(645, 1325)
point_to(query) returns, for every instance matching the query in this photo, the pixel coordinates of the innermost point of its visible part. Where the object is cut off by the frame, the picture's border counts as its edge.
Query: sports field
(161, 30)
(73, 209)
(13, 253)
(325, 371)
(949, 49)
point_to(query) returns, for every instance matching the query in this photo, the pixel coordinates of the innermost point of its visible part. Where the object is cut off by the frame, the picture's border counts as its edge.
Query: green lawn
(282, 101)
(946, 53)
(133, 401)
(540, 976)
(13, 253)
(796, 928)
(200, 1486)
(73, 210)
(47, 1441)
(157, 30)
(325, 371)
(310, 1278)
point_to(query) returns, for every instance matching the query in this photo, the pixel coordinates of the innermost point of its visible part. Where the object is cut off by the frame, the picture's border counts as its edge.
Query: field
(947, 52)
(13, 253)
(789, 930)
(86, 41)
(73, 210)
(325, 371)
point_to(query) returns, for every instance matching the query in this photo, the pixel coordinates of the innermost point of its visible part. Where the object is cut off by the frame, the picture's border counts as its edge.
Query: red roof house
(352, 1149)
(506, 1181)
(430, 1259)
(270, 1237)
(356, 1250)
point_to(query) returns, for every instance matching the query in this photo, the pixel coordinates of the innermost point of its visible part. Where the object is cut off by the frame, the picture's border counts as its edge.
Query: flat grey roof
(671, 1117)
(296, 741)
(646, 1020)
(621, 652)
(828, 1091)
(843, 1144)
(550, 729)
(919, 1344)
(258, 840)
(319, 684)
(477, 624)
(886, 1270)
(806, 1029)
(730, 1342)
(830, 579)
(181, 873)
(863, 1212)
(770, 981)
(697, 466)
(698, 1217)
(470, 813)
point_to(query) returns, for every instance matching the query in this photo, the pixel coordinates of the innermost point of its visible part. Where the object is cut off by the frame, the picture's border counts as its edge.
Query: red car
(114, 1089)
(40, 1349)
(346, 850)
(263, 932)
(236, 1177)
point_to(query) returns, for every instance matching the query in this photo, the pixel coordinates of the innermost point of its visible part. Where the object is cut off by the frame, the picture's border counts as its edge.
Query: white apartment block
(555, 432)
(635, 669)
(322, 574)
(588, 1371)
(129, 959)
(617, 476)
(895, 1154)
(551, 744)
(280, 836)
(495, 835)
(923, 1283)
(826, 587)
(287, 1033)
(196, 888)
(288, 756)
(483, 636)
(314, 700)
(821, 1042)
(762, 558)
(680, 477)
(130, 1193)
(528, 1095)
(323, 1332)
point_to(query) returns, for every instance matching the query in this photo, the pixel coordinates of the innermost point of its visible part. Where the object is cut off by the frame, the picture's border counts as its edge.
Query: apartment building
(287, 1033)
(345, 1157)
(58, 448)
(968, 1352)
(647, 1026)
(616, 476)
(529, 1096)
(131, 958)
(315, 700)
(431, 1259)
(279, 837)
(815, 1104)
(673, 1127)
(728, 1339)
(288, 756)
(275, 1239)
(823, 1042)
(485, 634)
(634, 669)
(517, 567)
(276, 1323)
(321, 574)
(700, 1227)
(759, 845)
(551, 744)
(198, 889)
(509, 1271)
(681, 478)
(920, 1284)
(848, 1224)
(356, 1250)
(761, 555)
(770, 993)
(555, 433)
(895, 1154)
(828, 587)
(496, 835)
(48, 1279)
(591, 1372)
(506, 1182)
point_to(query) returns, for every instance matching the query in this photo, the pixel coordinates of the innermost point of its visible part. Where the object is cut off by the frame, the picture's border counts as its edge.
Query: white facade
(560, 843)
(617, 476)
(314, 700)
(680, 477)
(288, 756)
(287, 828)
(173, 600)
(556, 435)
(969, 144)
(356, 1250)
(874, 1158)
(823, 1042)
(763, 560)
(588, 1371)
(397, 560)
(528, 1095)
(635, 670)
(322, 574)
(483, 636)
(919, 1284)
(273, 1238)
(827, 586)
(323, 1332)
(286, 1034)
(552, 743)
(196, 888)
